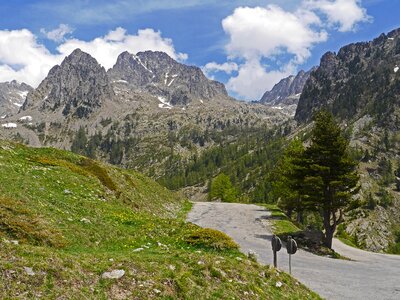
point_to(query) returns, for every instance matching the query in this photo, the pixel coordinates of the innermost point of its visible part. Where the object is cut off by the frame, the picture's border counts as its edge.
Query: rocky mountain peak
(78, 86)
(12, 97)
(287, 91)
(157, 73)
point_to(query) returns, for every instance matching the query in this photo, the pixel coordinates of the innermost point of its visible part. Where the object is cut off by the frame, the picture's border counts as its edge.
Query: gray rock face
(159, 74)
(77, 87)
(362, 78)
(12, 97)
(287, 91)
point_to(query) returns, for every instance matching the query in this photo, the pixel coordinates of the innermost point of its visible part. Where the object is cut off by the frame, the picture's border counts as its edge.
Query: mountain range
(136, 114)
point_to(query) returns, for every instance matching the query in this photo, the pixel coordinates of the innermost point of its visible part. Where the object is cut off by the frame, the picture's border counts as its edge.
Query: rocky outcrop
(287, 91)
(362, 78)
(77, 87)
(162, 76)
(12, 97)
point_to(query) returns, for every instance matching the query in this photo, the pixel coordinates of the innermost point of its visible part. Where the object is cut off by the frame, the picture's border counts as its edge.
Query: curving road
(367, 276)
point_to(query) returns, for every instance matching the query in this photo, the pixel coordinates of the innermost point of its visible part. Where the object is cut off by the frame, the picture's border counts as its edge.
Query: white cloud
(58, 34)
(345, 13)
(227, 67)
(254, 80)
(258, 31)
(269, 33)
(23, 58)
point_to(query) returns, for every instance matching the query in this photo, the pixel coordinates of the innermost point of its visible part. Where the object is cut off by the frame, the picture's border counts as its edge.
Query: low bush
(210, 238)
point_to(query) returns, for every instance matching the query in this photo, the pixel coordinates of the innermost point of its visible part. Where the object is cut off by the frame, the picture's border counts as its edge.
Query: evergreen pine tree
(286, 179)
(80, 142)
(331, 177)
(221, 188)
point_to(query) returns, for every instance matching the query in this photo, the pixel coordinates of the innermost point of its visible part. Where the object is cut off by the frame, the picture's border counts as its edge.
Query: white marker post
(291, 248)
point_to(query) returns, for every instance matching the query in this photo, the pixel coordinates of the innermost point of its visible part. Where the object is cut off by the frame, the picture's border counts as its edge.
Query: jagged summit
(287, 91)
(12, 97)
(76, 87)
(158, 74)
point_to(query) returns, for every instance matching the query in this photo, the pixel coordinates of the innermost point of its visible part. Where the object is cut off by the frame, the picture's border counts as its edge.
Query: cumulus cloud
(254, 80)
(23, 58)
(344, 13)
(227, 67)
(269, 33)
(58, 34)
(256, 32)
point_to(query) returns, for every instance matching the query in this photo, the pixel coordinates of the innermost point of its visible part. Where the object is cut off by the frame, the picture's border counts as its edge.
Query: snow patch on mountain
(9, 125)
(141, 63)
(164, 103)
(26, 118)
(23, 94)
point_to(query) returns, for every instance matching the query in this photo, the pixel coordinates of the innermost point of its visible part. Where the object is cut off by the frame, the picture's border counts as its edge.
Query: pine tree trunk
(289, 212)
(300, 217)
(328, 237)
(329, 229)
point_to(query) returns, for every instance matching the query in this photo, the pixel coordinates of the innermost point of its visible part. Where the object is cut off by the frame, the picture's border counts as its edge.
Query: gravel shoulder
(367, 276)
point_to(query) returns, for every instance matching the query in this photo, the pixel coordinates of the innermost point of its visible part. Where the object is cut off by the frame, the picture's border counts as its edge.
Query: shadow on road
(267, 237)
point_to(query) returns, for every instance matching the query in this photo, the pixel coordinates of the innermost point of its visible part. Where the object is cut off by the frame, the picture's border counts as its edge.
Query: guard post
(291, 248)
(276, 246)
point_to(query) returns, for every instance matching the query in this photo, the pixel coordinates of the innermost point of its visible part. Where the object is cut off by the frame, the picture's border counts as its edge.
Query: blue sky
(248, 45)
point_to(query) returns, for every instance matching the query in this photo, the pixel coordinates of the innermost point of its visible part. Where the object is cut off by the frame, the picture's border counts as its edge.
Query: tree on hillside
(80, 142)
(330, 178)
(286, 179)
(397, 176)
(221, 188)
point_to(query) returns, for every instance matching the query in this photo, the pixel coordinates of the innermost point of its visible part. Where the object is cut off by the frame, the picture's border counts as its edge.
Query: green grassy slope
(71, 219)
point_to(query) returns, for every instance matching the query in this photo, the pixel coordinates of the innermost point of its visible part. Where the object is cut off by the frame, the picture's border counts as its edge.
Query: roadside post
(291, 248)
(276, 246)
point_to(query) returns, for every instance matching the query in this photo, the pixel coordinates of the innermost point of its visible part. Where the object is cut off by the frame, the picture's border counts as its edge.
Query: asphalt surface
(367, 276)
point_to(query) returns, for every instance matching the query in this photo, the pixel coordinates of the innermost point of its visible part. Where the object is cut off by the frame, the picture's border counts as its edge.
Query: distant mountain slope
(363, 78)
(12, 97)
(286, 93)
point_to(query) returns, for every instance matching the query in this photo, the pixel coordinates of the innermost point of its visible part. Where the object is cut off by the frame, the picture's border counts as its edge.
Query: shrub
(210, 238)
(386, 199)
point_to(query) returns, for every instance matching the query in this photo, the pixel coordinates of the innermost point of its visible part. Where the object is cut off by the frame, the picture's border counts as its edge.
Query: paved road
(369, 276)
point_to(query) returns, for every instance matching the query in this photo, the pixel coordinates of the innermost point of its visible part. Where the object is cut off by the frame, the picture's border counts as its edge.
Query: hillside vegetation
(65, 221)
